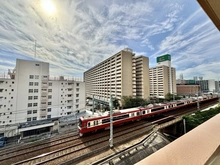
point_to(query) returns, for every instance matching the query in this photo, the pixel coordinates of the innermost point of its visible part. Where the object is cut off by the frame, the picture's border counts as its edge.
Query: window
(43, 110)
(31, 76)
(30, 91)
(44, 76)
(29, 112)
(31, 83)
(49, 103)
(12, 82)
(35, 97)
(10, 121)
(10, 113)
(77, 89)
(34, 111)
(77, 95)
(12, 90)
(49, 90)
(48, 109)
(77, 106)
(34, 118)
(5, 89)
(49, 96)
(29, 104)
(43, 102)
(30, 97)
(36, 83)
(28, 119)
(77, 100)
(77, 84)
(35, 104)
(11, 97)
(35, 90)
(48, 116)
(37, 64)
(50, 83)
(36, 76)
(11, 105)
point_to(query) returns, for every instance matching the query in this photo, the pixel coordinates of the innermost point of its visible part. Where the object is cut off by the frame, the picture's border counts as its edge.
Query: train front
(80, 126)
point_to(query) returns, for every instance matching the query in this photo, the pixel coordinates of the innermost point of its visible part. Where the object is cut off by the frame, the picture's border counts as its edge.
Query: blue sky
(82, 33)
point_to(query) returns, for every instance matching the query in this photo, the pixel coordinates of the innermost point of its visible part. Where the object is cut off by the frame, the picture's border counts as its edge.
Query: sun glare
(48, 6)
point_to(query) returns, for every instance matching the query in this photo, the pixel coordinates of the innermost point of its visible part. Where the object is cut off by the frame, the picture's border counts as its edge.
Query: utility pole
(93, 104)
(184, 125)
(198, 108)
(111, 123)
(35, 49)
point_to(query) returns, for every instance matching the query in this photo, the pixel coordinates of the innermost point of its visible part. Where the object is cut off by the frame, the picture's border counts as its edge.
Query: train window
(88, 124)
(107, 120)
(80, 122)
(138, 113)
(143, 112)
(132, 114)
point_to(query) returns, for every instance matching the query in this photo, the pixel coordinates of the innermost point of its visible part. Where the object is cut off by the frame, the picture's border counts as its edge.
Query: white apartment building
(30, 94)
(162, 77)
(117, 76)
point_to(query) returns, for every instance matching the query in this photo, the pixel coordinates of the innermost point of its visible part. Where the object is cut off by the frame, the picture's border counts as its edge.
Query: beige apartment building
(160, 81)
(142, 77)
(122, 74)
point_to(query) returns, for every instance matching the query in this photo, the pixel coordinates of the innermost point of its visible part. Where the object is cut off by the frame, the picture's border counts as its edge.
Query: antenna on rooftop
(35, 49)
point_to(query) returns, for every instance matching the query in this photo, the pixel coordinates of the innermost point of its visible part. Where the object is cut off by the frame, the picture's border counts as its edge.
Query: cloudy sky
(75, 35)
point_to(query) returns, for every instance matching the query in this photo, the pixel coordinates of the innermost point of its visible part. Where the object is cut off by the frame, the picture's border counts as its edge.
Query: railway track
(9, 156)
(66, 148)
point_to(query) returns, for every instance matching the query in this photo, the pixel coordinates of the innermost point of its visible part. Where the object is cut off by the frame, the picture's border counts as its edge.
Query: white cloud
(84, 33)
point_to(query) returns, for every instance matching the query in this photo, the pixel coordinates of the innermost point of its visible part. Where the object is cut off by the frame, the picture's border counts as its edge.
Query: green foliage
(129, 102)
(193, 121)
(169, 97)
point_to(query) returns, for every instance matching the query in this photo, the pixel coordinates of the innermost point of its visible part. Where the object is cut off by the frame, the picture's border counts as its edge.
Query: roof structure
(199, 146)
(212, 9)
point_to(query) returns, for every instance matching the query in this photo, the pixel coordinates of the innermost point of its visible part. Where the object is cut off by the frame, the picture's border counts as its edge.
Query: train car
(93, 124)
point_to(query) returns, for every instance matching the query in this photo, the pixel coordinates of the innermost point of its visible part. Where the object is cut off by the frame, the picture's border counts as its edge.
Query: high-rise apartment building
(142, 77)
(122, 74)
(162, 77)
(30, 94)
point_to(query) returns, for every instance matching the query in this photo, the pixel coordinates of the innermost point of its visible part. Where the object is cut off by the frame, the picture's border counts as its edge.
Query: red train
(94, 123)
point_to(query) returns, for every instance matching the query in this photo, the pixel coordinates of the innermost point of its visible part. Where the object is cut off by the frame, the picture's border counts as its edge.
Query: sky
(75, 35)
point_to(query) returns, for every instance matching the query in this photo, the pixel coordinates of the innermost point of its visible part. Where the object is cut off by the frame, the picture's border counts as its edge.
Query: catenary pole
(111, 124)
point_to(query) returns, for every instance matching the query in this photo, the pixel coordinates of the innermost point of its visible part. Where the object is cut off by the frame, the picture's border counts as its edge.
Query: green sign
(191, 82)
(165, 57)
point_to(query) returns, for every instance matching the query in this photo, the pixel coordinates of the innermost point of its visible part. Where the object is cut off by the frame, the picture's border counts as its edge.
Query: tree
(130, 102)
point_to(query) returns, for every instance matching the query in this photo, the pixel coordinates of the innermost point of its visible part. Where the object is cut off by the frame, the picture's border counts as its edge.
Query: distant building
(188, 90)
(162, 77)
(122, 74)
(30, 94)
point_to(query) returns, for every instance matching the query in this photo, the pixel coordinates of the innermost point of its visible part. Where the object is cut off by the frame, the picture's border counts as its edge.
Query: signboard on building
(165, 57)
(191, 82)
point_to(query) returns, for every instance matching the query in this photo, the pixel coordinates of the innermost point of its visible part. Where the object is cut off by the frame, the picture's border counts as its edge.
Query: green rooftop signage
(165, 57)
(192, 82)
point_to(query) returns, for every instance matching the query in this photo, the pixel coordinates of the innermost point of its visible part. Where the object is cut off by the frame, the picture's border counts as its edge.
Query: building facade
(122, 74)
(162, 77)
(188, 90)
(30, 94)
(160, 81)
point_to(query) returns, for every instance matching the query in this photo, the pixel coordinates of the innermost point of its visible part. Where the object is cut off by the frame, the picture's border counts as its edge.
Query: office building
(31, 94)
